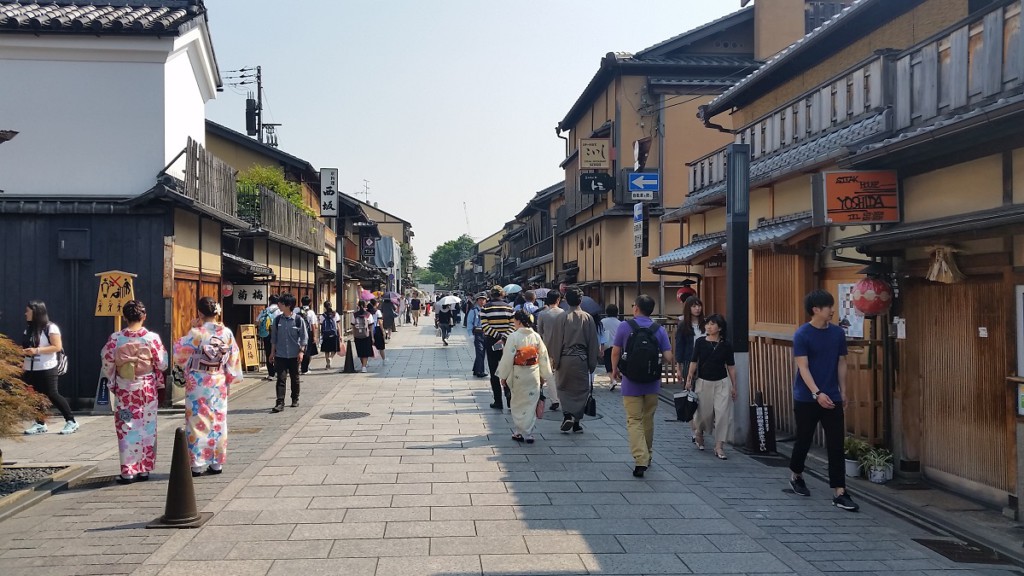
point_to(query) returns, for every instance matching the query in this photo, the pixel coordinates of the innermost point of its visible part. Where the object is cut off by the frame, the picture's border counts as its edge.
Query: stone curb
(30, 496)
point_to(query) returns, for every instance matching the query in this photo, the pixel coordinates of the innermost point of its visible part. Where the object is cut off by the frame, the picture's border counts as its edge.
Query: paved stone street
(429, 482)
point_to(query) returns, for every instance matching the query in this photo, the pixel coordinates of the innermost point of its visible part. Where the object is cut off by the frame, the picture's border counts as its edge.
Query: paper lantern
(872, 296)
(227, 289)
(685, 292)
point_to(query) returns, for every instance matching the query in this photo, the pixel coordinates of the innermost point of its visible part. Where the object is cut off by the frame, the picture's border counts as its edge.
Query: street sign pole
(640, 232)
(737, 225)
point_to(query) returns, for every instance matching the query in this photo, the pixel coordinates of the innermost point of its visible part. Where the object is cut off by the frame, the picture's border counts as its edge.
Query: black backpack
(641, 358)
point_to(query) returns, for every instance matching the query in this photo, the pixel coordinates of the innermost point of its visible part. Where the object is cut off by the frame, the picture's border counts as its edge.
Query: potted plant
(877, 462)
(853, 449)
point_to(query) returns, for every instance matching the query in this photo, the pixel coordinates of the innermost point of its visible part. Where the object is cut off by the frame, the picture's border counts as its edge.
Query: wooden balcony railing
(266, 210)
(208, 180)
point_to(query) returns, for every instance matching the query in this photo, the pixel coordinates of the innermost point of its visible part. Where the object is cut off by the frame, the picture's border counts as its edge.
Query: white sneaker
(36, 429)
(364, 369)
(70, 427)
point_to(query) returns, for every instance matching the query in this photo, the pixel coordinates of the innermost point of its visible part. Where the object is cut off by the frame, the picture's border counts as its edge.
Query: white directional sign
(643, 185)
(329, 192)
(638, 229)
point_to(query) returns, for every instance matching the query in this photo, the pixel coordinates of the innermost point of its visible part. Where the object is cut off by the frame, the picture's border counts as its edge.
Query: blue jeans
(481, 352)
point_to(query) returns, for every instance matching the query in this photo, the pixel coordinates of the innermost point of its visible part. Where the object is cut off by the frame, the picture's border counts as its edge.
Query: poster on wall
(847, 316)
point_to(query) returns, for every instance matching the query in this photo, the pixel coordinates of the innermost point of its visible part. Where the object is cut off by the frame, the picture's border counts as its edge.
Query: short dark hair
(287, 299)
(817, 299)
(552, 298)
(133, 310)
(720, 322)
(306, 300)
(645, 303)
(612, 311)
(274, 299)
(574, 296)
(524, 318)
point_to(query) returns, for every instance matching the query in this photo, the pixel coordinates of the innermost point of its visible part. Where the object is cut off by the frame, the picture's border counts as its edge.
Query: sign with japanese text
(250, 345)
(116, 289)
(639, 230)
(861, 197)
(596, 183)
(251, 294)
(368, 244)
(595, 153)
(329, 192)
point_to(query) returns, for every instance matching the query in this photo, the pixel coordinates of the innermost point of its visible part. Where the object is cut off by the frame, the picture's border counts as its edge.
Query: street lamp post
(737, 218)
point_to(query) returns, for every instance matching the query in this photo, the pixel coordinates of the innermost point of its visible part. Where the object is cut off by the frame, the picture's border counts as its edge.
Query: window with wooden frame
(779, 283)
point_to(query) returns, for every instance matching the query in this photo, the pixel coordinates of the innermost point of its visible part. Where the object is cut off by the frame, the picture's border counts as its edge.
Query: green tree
(428, 276)
(447, 256)
(272, 178)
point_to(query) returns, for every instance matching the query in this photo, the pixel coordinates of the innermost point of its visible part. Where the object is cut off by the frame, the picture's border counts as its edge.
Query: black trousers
(287, 367)
(493, 358)
(271, 369)
(808, 415)
(45, 382)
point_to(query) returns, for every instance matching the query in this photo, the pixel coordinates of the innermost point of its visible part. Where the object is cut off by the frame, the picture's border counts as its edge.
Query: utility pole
(259, 102)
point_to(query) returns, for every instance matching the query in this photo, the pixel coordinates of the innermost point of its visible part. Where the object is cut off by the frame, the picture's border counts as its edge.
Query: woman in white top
(41, 343)
(689, 329)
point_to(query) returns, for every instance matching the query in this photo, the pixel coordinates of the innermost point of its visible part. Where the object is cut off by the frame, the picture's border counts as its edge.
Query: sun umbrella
(513, 289)
(542, 293)
(366, 295)
(589, 305)
(449, 300)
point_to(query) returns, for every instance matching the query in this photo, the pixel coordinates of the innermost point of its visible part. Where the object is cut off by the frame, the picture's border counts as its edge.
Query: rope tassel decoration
(944, 268)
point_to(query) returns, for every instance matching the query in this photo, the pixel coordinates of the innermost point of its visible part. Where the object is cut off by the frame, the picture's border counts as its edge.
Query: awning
(536, 278)
(323, 274)
(700, 248)
(246, 267)
(975, 225)
(535, 262)
(783, 230)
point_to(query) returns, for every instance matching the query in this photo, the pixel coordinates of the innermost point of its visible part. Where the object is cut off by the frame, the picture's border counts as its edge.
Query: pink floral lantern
(872, 296)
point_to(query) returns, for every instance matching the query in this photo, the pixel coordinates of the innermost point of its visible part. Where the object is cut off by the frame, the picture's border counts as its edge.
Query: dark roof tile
(130, 17)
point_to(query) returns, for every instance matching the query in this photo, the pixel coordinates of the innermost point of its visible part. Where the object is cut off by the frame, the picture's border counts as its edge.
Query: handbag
(686, 405)
(62, 363)
(590, 408)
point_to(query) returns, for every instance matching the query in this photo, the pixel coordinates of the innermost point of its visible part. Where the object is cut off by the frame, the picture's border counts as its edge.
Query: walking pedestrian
(330, 338)
(546, 319)
(474, 328)
(263, 323)
(638, 351)
(41, 344)
(523, 369)
(362, 334)
(379, 341)
(714, 367)
(530, 304)
(209, 357)
(133, 362)
(609, 328)
(312, 328)
(819, 348)
(388, 313)
(575, 353)
(689, 328)
(444, 319)
(289, 337)
(414, 305)
(496, 322)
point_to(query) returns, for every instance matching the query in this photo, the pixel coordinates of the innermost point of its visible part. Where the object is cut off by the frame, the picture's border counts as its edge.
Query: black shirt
(414, 304)
(712, 358)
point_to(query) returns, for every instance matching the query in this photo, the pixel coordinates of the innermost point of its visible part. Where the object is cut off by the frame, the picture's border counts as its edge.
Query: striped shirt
(496, 319)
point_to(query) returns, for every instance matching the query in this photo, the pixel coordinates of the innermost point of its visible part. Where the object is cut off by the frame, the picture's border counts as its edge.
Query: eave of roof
(980, 224)
(698, 247)
(261, 148)
(789, 62)
(128, 18)
(699, 33)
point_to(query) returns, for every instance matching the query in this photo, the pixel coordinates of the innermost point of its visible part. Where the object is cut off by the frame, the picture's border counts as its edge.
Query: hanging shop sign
(595, 153)
(856, 197)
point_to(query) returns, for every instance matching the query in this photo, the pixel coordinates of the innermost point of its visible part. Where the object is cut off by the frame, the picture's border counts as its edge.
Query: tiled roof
(699, 246)
(693, 82)
(700, 32)
(980, 224)
(535, 262)
(779, 230)
(131, 17)
(695, 60)
(254, 268)
(787, 161)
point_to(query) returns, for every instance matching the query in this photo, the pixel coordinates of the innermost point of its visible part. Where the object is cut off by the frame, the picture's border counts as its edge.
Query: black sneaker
(277, 408)
(566, 425)
(555, 406)
(295, 403)
(577, 428)
(844, 502)
(799, 486)
(496, 406)
(639, 471)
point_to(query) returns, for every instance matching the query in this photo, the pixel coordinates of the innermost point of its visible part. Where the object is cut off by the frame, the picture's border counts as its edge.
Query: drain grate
(963, 553)
(344, 415)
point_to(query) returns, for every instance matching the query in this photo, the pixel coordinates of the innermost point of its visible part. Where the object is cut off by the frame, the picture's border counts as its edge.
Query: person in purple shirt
(640, 399)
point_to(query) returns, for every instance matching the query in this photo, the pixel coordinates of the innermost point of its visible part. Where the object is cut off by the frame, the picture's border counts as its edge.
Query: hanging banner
(329, 192)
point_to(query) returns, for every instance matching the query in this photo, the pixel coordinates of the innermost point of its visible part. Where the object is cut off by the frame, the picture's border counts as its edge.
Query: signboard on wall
(595, 154)
(250, 346)
(856, 197)
(329, 192)
(116, 289)
(640, 230)
(251, 294)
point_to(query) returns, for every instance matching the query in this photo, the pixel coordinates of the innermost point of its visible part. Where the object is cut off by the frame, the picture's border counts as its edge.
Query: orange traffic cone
(180, 510)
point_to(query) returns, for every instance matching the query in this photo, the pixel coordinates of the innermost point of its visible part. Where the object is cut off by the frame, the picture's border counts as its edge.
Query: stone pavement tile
(299, 516)
(476, 545)
(607, 526)
(432, 500)
(549, 487)
(276, 470)
(280, 503)
(506, 499)
(554, 512)
(530, 467)
(723, 563)
(518, 527)
(334, 502)
(372, 468)
(408, 514)
(636, 511)
(385, 489)
(697, 511)
(429, 566)
(326, 567)
(495, 477)
(347, 477)
(430, 529)
(688, 526)
(572, 544)
(570, 475)
(465, 467)
(633, 564)
(509, 564)
(473, 513)
(920, 564)
(735, 543)
(258, 492)
(206, 550)
(247, 533)
(290, 480)
(338, 531)
(590, 498)
(418, 477)
(659, 544)
(219, 567)
(469, 488)
(281, 549)
(378, 548)
(435, 459)
(231, 518)
(317, 490)
(636, 485)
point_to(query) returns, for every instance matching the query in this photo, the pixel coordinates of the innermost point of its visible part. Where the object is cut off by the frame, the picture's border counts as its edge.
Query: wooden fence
(208, 180)
(266, 210)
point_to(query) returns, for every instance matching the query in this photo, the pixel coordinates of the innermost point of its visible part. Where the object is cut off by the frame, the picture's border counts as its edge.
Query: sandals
(699, 441)
(122, 480)
(720, 454)
(518, 438)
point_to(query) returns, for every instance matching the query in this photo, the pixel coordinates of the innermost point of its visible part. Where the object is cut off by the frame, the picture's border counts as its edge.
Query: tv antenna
(366, 191)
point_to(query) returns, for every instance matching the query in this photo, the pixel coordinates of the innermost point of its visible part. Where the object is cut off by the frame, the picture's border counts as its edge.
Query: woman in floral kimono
(208, 355)
(524, 368)
(134, 360)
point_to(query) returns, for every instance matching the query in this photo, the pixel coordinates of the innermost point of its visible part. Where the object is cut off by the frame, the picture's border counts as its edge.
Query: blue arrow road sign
(643, 181)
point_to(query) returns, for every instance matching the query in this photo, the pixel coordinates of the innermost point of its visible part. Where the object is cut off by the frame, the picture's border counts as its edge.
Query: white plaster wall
(185, 108)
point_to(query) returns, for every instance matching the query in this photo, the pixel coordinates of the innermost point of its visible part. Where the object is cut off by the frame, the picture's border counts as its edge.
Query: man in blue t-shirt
(640, 400)
(819, 348)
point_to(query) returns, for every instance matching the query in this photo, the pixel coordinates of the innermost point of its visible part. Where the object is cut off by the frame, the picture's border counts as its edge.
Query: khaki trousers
(640, 426)
(715, 407)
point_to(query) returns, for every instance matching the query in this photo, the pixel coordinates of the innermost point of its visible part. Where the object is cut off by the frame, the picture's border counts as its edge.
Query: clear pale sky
(437, 102)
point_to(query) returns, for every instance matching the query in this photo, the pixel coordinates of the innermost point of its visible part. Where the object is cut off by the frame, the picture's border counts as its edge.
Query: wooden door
(953, 386)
